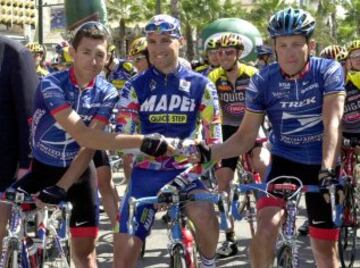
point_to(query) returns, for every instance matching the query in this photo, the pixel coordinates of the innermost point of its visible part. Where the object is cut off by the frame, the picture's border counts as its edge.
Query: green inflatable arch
(80, 11)
(248, 32)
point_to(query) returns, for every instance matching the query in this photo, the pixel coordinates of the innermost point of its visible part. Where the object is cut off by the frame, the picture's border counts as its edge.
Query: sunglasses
(355, 56)
(138, 58)
(93, 25)
(160, 27)
(212, 52)
(229, 52)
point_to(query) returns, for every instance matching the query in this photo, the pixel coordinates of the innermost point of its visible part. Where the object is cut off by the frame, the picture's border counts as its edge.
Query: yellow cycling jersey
(232, 98)
(351, 118)
(40, 71)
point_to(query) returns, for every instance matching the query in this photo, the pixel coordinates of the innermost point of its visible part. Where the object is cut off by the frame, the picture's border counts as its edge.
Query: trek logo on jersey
(298, 104)
(184, 85)
(165, 103)
(168, 118)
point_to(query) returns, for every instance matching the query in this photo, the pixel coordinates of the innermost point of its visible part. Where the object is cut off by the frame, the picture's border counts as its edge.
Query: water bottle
(188, 242)
(31, 251)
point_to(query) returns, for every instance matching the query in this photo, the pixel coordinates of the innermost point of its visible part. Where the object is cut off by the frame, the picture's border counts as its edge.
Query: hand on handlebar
(328, 182)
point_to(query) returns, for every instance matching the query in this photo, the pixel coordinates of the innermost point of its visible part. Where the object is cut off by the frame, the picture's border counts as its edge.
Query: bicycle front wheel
(177, 258)
(285, 258)
(347, 246)
(56, 254)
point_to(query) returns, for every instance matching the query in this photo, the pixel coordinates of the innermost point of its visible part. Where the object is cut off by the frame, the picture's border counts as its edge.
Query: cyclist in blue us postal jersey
(70, 110)
(171, 100)
(303, 97)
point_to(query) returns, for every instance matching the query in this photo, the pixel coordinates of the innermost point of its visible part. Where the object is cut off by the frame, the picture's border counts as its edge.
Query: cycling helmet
(341, 56)
(291, 21)
(330, 52)
(59, 47)
(139, 45)
(211, 43)
(263, 50)
(354, 45)
(230, 40)
(35, 47)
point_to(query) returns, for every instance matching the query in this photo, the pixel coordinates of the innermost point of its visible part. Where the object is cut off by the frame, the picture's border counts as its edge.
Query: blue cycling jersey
(294, 107)
(52, 145)
(171, 105)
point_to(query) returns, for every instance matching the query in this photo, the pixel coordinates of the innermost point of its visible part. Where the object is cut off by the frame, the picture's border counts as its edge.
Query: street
(156, 255)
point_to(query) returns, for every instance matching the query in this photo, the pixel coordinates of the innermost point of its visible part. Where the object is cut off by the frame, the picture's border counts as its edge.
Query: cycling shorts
(84, 221)
(319, 212)
(143, 183)
(101, 159)
(227, 132)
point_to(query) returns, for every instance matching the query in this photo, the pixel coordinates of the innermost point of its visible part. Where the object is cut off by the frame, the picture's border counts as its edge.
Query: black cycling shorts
(84, 219)
(101, 159)
(227, 132)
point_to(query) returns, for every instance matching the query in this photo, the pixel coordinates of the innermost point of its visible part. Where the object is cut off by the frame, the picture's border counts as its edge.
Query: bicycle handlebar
(177, 198)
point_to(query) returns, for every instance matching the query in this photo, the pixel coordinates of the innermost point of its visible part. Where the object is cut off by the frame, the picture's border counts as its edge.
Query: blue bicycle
(182, 248)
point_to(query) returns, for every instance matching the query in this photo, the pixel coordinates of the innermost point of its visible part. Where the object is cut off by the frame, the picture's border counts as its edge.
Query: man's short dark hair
(90, 29)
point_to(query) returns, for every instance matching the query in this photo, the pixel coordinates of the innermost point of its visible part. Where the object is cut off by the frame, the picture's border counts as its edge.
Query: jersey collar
(90, 85)
(299, 75)
(158, 73)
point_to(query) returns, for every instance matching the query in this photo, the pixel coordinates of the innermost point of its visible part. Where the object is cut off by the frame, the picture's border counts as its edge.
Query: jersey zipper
(296, 89)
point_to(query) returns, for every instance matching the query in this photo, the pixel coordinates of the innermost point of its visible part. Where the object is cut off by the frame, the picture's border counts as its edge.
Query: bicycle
(47, 245)
(246, 208)
(350, 224)
(182, 248)
(290, 189)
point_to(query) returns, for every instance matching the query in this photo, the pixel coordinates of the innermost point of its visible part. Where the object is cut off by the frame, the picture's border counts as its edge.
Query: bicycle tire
(284, 258)
(248, 209)
(56, 254)
(177, 258)
(348, 230)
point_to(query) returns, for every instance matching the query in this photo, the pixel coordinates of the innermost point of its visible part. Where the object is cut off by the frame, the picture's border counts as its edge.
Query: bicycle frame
(18, 233)
(177, 224)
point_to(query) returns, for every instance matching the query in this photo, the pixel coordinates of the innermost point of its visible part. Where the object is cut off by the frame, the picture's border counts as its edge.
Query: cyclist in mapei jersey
(168, 99)
(231, 79)
(70, 109)
(303, 97)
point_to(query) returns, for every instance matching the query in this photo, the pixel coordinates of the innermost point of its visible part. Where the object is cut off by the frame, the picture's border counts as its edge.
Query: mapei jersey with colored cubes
(172, 105)
(232, 98)
(52, 145)
(294, 107)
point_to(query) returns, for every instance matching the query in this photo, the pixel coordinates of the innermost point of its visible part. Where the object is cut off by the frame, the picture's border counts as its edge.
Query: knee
(204, 218)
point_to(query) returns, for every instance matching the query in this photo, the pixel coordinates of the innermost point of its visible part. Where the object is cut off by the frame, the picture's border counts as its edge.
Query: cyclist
(38, 52)
(353, 50)
(139, 54)
(18, 82)
(210, 56)
(70, 108)
(118, 71)
(230, 80)
(264, 56)
(304, 98)
(167, 98)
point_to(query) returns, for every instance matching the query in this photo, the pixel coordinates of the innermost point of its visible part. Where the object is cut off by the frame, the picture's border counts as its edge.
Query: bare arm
(94, 138)
(242, 140)
(333, 109)
(80, 162)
